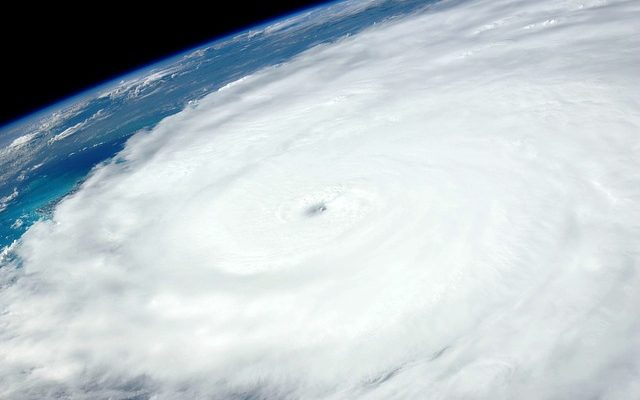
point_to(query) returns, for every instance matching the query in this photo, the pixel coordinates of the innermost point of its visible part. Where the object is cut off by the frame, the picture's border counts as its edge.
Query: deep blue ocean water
(68, 140)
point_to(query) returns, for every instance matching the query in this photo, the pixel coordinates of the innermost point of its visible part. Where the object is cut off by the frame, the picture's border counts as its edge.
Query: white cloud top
(444, 206)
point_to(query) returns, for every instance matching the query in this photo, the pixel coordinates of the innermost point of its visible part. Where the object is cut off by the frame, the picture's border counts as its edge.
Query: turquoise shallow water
(66, 142)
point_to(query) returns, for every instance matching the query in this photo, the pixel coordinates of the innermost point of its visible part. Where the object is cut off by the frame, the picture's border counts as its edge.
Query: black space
(54, 51)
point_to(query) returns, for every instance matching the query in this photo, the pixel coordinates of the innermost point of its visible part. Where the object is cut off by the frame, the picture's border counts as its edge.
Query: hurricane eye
(316, 209)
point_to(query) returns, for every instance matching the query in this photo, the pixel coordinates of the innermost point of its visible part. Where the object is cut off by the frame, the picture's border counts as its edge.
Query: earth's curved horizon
(385, 199)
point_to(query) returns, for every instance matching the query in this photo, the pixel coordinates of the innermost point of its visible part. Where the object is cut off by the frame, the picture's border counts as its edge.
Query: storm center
(316, 209)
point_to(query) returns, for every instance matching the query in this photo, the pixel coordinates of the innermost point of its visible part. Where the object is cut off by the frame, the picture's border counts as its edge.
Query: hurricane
(444, 205)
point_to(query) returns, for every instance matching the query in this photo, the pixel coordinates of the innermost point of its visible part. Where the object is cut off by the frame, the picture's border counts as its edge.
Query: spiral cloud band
(443, 206)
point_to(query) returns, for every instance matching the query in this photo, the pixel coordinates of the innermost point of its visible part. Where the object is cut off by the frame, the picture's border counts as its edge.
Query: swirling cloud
(445, 205)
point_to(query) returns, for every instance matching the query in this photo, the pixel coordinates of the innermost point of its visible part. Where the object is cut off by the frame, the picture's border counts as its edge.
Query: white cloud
(5, 200)
(72, 130)
(22, 140)
(445, 206)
